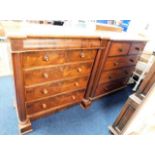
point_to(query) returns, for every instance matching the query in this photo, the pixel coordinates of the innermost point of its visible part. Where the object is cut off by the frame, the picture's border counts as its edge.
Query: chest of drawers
(115, 67)
(53, 73)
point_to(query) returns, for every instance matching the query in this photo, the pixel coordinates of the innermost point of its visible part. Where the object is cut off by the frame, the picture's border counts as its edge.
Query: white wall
(5, 60)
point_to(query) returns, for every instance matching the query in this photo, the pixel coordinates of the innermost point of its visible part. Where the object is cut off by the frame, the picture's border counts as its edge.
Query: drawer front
(137, 47)
(55, 102)
(119, 48)
(118, 62)
(108, 76)
(35, 59)
(57, 73)
(80, 55)
(33, 93)
(57, 43)
(110, 86)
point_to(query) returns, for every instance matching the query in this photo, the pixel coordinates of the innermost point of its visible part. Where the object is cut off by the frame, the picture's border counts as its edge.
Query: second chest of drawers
(116, 67)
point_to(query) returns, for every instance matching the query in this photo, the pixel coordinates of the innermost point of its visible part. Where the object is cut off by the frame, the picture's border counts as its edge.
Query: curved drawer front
(80, 55)
(57, 73)
(42, 58)
(51, 104)
(118, 62)
(137, 47)
(119, 48)
(112, 75)
(110, 86)
(38, 92)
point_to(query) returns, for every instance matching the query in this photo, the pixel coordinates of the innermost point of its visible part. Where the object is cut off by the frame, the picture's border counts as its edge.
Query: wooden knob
(44, 106)
(120, 49)
(126, 72)
(79, 70)
(116, 63)
(82, 55)
(131, 60)
(137, 48)
(76, 84)
(45, 58)
(106, 89)
(73, 97)
(110, 77)
(45, 75)
(45, 91)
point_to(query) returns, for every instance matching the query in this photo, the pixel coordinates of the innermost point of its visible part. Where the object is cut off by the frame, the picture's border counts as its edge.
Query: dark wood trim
(24, 122)
(101, 63)
(99, 96)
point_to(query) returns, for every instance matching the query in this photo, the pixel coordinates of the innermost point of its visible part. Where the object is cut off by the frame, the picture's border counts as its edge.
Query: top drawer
(119, 48)
(42, 58)
(56, 43)
(137, 47)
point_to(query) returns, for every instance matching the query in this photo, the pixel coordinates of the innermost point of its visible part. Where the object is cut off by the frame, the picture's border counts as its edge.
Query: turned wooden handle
(73, 97)
(120, 49)
(110, 77)
(45, 58)
(79, 70)
(45, 91)
(137, 48)
(131, 60)
(44, 105)
(126, 72)
(76, 84)
(116, 63)
(82, 54)
(45, 75)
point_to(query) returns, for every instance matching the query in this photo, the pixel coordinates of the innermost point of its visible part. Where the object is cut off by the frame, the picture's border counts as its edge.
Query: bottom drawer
(42, 107)
(108, 87)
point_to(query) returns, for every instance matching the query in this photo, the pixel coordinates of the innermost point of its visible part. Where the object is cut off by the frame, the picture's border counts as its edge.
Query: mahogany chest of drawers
(53, 73)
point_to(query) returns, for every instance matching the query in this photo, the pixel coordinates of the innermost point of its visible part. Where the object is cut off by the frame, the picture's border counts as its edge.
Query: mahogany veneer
(53, 73)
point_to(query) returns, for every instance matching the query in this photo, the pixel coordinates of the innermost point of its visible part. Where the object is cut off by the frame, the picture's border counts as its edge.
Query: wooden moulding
(125, 115)
(87, 101)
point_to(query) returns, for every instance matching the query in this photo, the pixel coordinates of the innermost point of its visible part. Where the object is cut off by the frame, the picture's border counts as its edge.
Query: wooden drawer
(119, 48)
(110, 86)
(35, 59)
(112, 75)
(37, 92)
(121, 61)
(57, 43)
(80, 55)
(54, 103)
(137, 47)
(57, 73)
